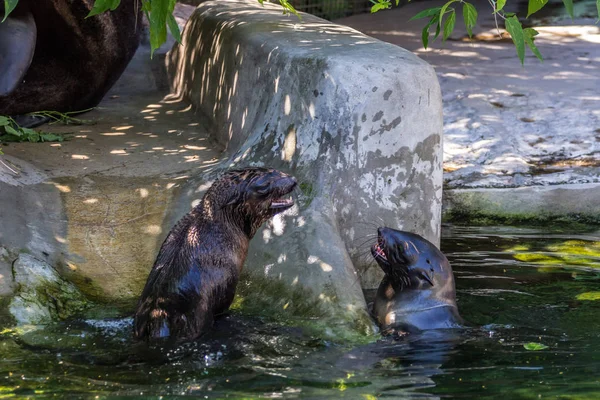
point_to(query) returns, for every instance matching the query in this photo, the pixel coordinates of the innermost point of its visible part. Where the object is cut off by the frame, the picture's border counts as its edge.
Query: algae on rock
(43, 296)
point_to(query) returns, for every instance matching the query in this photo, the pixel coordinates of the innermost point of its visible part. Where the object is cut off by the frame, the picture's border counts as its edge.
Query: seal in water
(198, 266)
(417, 292)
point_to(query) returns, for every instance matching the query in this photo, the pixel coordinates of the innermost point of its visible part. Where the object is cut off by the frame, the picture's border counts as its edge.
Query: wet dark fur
(417, 292)
(198, 266)
(76, 60)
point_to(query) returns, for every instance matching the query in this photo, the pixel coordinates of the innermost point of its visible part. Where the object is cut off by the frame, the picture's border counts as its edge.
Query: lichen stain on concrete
(112, 240)
(378, 116)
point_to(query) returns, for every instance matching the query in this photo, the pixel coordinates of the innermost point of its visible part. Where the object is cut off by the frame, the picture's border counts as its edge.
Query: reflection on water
(514, 286)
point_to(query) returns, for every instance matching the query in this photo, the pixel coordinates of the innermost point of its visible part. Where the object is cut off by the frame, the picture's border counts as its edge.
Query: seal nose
(382, 231)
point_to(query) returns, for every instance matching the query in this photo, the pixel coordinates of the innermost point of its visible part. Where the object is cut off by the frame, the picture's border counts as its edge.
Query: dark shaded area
(76, 59)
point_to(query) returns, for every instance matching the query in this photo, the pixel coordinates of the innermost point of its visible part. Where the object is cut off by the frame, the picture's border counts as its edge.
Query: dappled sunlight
(62, 188)
(128, 135)
(219, 77)
(60, 239)
(113, 134)
(323, 265)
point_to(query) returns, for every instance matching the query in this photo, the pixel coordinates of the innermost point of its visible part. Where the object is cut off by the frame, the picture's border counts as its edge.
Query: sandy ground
(506, 125)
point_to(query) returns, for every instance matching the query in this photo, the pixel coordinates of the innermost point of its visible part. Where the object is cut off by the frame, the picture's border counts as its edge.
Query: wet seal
(198, 266)
(417, 292)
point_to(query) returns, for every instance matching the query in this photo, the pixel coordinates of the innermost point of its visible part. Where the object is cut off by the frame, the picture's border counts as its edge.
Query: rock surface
(508, 126)
(310, 98)
(313, 99)
(43, 295)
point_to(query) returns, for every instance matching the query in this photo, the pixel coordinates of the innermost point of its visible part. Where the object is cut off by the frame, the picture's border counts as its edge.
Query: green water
(514, 286)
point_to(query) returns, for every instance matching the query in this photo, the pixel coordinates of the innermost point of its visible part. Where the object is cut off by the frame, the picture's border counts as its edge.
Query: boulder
(356, 120)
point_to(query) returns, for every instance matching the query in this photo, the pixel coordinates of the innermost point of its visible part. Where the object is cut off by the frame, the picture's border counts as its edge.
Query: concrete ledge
(356, 120)
(577, 202)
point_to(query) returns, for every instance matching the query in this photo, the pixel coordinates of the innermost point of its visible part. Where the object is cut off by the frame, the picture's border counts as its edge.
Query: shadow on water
(515, 287)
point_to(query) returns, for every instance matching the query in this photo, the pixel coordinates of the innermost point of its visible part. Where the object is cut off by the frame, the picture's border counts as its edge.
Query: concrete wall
(356, 120)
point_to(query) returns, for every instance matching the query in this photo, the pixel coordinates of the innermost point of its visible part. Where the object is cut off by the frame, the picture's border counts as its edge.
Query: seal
(198, 266)
(417, 292)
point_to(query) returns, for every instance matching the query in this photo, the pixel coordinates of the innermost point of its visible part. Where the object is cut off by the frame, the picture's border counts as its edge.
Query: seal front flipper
(18, 35)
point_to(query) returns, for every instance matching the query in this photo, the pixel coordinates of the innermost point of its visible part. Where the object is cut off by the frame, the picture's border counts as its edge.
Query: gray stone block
(356, 120)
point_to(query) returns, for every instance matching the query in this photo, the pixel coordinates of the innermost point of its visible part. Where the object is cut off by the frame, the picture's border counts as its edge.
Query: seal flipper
(18, 35)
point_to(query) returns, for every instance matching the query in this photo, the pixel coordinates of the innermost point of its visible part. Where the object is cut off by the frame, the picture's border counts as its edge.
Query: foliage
(65, 118)
(10, 131)
(534, 346)
(160, 16)
(521, 37)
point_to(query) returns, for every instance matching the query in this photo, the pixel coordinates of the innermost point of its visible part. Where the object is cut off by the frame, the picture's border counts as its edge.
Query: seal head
(417, 292)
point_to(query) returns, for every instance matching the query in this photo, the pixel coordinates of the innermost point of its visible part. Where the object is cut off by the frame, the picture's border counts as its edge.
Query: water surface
(515, 286)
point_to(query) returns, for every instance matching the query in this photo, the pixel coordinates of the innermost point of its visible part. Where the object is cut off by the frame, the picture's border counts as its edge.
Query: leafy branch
(160, 17)
(57, 117)
(520, 37)
(10, 131)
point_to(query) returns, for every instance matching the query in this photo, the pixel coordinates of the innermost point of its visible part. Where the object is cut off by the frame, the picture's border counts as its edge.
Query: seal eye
(428, 262)
(263, 192)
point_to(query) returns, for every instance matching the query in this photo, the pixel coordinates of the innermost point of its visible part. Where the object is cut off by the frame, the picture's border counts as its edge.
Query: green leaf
(513, 26)
(534, 6)
(428, 13)
(50, 137)
(500, 5)
(443, 10)
(449, 25)
(12, 131)
(381, 5)
(569, 6)
(438, 27)
(4, 120)
(425, 32)
(534, 346)
(34, 137)
(101, 6)
(174, 28)
(425, 36)
(288, 8)
(470, 17)
(529, 35)
(159, 11)
(9, 6)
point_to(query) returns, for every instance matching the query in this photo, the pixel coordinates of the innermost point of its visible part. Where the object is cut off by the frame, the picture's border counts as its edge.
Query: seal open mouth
(282, 204)
(378, 252)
